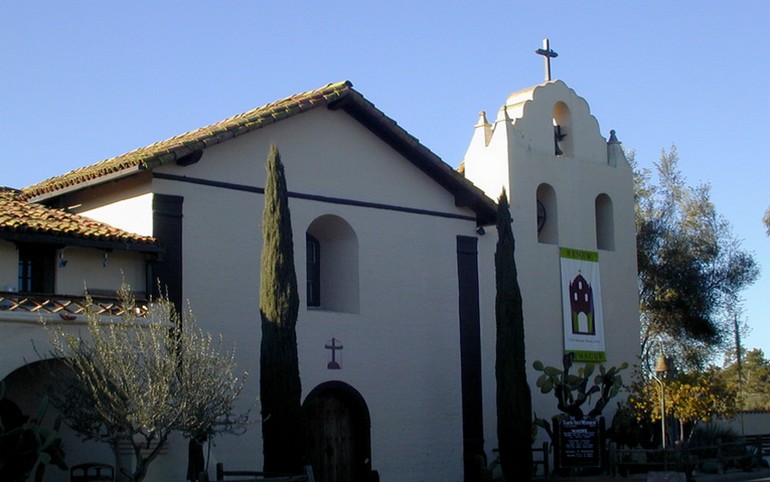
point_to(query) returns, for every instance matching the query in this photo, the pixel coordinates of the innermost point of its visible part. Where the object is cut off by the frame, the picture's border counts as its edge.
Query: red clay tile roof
(19, 217)
(334, 96)
(185, 144)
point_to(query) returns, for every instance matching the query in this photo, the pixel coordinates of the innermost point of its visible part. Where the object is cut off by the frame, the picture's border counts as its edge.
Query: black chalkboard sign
(579, 442)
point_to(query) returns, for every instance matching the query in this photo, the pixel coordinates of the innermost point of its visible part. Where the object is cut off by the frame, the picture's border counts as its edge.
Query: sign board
(579, 442)
(582, 305)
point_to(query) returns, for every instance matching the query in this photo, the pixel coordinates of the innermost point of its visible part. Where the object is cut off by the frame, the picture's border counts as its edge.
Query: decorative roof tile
(171, 149)
(19, 217)
(336, 96)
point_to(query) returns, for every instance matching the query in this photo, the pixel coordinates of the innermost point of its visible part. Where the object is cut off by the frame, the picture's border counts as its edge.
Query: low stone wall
(749, 423)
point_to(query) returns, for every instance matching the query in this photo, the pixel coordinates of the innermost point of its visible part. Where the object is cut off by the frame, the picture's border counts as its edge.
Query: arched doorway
(338, 433)
(26, 387)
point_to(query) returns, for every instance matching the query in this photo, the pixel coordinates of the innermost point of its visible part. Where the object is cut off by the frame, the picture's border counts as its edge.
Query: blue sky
(82, 81)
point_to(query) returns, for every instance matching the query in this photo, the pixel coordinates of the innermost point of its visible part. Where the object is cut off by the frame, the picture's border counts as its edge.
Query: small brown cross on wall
(333, 346)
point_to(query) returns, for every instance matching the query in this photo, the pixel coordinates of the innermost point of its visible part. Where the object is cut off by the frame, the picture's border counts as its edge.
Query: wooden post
(613, 460)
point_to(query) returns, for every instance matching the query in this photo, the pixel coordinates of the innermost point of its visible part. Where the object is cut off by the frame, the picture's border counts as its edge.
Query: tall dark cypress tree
(279, 383)
(514, 400)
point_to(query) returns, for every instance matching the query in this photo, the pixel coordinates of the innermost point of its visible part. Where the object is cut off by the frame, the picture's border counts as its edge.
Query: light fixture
(480, 231)
(106, 259)
(62, 261)
(661, 368)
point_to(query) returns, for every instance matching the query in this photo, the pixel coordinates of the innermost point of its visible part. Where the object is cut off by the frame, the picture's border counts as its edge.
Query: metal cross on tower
(548, 54)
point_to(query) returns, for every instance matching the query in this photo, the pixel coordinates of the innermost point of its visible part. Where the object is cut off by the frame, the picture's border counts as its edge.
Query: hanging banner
(582, 305)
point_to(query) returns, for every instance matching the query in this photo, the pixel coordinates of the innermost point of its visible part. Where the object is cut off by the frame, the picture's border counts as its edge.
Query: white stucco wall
(133, 214)
(86, 270)
(401, 348)
(748, 423)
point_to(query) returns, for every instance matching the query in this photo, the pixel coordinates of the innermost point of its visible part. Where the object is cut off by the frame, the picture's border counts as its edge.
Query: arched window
(605, 223)
(547, 215)
(313, 260)
(562, 130)
(332, 265)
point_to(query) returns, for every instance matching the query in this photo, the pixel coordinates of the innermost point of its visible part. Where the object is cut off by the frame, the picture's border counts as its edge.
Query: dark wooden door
(331, 439)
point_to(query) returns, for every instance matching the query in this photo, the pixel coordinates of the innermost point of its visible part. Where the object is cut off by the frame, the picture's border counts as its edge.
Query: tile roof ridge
(176, 147)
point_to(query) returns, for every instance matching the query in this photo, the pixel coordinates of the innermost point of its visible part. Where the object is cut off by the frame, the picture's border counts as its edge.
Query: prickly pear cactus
(25, 444)
(573, 391)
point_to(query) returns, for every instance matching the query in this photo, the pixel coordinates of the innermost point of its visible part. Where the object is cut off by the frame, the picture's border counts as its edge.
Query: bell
(661, 364)
(557, 137)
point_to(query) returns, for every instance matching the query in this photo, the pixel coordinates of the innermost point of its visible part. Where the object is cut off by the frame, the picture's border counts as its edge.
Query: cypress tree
(514, 400)
(279, 384)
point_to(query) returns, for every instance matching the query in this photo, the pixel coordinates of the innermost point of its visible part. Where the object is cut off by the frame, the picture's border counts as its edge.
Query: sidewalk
(756, 475)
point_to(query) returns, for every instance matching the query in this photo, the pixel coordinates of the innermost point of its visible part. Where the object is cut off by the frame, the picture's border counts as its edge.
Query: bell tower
(572, 204)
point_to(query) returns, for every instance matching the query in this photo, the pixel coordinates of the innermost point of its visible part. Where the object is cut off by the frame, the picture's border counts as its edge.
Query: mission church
(394, 252)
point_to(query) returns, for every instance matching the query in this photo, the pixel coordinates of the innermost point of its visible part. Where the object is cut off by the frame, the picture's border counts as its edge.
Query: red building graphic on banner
(581, 297)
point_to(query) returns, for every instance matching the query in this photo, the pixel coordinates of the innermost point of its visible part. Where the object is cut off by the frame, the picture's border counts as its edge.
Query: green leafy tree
(514, 400)
(136, 379)
(690, 266)
(280, 386)
(749, 380)
(691, 399)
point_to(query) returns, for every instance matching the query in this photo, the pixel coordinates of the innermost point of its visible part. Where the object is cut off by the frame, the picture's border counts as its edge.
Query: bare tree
(137, 379)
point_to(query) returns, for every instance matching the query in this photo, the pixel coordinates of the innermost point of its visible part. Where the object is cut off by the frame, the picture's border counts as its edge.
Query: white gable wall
(401, 346)
(134, 214)
(126, 204)
(324, 153)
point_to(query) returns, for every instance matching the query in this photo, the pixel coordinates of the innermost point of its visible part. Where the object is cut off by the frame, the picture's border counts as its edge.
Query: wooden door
(331, 439)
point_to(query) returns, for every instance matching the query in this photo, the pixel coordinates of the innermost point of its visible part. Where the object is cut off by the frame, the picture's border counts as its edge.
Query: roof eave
(59, 240)
(341, 96)
(79, 186)
(466, 194)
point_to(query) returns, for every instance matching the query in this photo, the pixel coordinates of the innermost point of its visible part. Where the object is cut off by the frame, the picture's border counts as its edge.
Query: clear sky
(81, 81)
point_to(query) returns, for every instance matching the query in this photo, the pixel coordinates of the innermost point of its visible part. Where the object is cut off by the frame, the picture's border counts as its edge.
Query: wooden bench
(256, 476)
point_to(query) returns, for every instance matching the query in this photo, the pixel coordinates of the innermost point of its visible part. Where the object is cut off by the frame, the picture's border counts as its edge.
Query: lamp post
(661, 368)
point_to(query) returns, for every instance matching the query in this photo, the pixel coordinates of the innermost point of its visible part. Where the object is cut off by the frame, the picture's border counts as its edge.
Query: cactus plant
(573, 391)
(25, 445)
